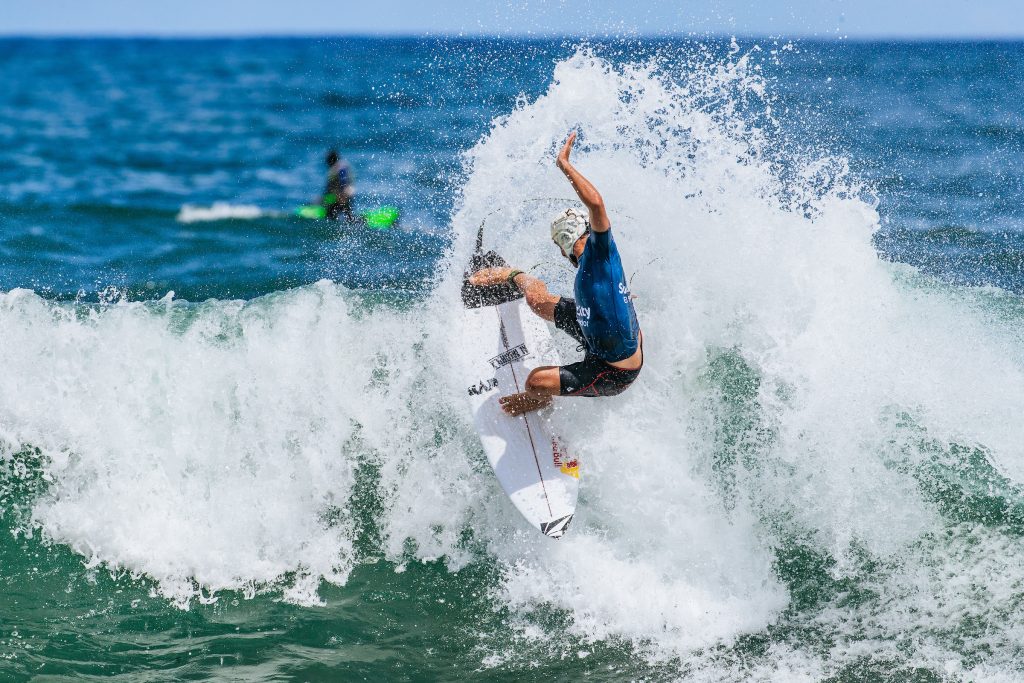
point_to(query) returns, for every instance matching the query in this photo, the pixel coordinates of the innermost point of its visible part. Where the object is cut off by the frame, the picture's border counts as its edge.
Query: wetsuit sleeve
(565, 319)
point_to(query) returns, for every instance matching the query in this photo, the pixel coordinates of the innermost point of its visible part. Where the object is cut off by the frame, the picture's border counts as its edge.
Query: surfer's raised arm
(586, 191)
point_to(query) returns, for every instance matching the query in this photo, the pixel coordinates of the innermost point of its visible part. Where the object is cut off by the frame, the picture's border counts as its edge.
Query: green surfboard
(380, 218)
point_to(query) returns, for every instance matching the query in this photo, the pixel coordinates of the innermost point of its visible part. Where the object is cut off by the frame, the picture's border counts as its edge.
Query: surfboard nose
(556, 528)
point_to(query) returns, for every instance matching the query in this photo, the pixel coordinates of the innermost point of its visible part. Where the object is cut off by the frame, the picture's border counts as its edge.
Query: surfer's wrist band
(512, 276)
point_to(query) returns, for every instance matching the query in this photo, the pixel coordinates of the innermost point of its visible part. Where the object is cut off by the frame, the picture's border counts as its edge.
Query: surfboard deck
(505, 340)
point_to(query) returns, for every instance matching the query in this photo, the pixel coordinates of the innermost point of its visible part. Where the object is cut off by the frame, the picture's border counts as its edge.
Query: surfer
(337, 197)
(600, 317)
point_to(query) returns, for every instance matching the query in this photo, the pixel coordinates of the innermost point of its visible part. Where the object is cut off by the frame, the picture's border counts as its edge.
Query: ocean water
(231, 448)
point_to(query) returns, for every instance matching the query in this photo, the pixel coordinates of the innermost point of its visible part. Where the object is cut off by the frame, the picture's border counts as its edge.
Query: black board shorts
(590, 376)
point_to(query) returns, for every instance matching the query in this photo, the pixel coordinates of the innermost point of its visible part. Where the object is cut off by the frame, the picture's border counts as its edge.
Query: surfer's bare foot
(519, 404)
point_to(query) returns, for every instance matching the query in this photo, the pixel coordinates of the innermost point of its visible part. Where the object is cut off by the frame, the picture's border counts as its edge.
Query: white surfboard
(505, 341)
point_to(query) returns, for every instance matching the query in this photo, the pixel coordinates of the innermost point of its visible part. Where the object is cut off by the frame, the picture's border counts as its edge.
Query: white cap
(568, 226)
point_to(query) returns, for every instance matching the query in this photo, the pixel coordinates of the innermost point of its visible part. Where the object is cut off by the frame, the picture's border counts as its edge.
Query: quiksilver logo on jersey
(511, 356)
(483, 387)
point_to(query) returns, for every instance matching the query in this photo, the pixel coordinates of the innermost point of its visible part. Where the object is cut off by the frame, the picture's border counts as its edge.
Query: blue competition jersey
(603, 306)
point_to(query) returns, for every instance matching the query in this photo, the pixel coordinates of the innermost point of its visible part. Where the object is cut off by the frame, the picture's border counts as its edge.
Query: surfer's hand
(488, 277)
(563, 157)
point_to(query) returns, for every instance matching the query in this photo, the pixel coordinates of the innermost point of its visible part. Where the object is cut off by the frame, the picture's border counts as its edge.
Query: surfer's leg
(541, 385)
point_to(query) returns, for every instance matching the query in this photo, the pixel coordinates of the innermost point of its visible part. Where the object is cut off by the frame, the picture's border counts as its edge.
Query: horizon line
(400, 35)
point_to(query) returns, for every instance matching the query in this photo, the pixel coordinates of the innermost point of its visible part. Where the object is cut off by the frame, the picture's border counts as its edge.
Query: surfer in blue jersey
(600, 317)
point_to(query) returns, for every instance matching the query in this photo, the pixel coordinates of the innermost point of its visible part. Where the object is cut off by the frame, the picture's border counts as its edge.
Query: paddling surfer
(600, 317)
(337, 196)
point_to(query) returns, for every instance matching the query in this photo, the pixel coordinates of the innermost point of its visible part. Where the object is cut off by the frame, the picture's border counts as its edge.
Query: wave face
(815, 475)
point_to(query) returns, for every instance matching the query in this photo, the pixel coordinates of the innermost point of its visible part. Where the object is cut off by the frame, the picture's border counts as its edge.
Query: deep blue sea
(231, 447)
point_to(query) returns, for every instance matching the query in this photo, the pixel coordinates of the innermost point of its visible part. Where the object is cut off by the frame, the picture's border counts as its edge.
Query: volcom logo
(512, 355)
(483, 387)
(556, 528)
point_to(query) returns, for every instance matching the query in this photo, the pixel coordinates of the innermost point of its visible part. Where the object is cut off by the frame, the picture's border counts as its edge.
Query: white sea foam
(849, 352)
(214, 446)
(218, 211)
(200, 445)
